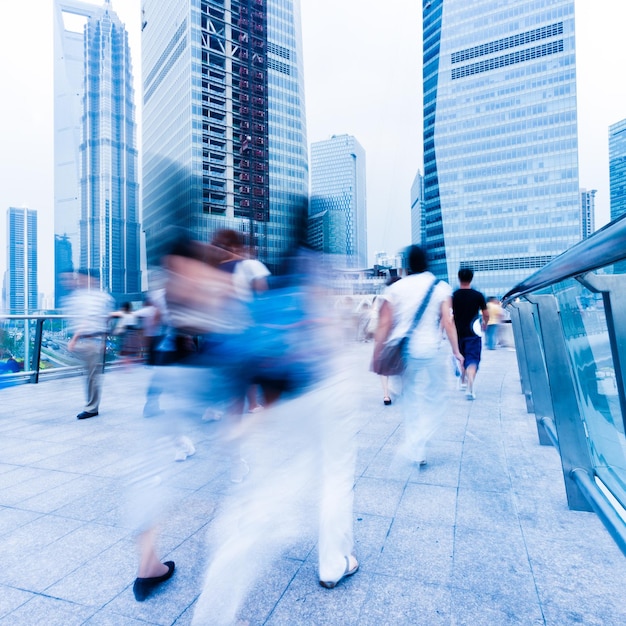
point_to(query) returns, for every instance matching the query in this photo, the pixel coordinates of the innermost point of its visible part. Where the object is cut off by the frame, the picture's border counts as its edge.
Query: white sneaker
(470, 395)
(184, 448)
(239, 471)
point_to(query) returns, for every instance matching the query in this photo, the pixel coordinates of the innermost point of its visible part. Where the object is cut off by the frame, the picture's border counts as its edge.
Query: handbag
(390, 359)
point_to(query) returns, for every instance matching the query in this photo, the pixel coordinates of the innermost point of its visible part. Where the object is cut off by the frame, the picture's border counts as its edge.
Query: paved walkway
(481, 535)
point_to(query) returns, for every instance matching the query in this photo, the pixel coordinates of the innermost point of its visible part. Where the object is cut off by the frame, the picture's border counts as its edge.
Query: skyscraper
(224, 134)
(109, 222)
(96, 188)
(338, 197)
(617, 168)
(70, 17)
(500, 137)
(21, 280)
(587, 212)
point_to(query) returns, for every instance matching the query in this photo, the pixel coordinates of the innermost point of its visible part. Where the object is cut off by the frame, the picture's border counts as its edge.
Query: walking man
(469, 309)
(89, 309)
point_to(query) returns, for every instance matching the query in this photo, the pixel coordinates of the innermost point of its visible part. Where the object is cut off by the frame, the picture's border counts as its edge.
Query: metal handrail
(604, 247)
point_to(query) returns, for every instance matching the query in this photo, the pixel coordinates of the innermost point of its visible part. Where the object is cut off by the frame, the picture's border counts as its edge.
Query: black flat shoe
(86, 415)
(387, 400)
(143, 587)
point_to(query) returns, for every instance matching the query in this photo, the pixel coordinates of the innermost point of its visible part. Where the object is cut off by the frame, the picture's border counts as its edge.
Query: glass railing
(569, 322)
(34, 347)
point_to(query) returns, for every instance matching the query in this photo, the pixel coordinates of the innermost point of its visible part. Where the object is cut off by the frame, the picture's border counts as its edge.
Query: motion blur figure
(300, 449)
(88, 309)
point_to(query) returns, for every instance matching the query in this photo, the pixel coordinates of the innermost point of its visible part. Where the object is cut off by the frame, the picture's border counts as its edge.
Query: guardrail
(35, 346)
(569, 323)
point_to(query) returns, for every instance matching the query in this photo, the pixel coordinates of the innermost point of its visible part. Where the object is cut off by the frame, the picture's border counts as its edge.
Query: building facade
(500, 137)
(224, 134)
(587, 212)
(338, 199)
(20, 283)
(617, 168)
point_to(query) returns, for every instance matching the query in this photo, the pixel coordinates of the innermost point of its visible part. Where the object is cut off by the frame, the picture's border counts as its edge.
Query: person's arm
(385, 323)
(447, 321)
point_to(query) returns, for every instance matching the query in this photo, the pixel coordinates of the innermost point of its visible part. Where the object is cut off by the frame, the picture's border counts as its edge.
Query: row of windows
(508, 59)
(508, 42)
(279, 66)
(170, 46)
(166, 68)
(516, 263)
(280, 51)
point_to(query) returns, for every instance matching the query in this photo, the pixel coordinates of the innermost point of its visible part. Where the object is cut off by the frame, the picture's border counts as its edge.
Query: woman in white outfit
(425, 379)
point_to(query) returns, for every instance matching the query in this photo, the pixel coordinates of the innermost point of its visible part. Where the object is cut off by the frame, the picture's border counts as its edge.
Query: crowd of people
(261, 362)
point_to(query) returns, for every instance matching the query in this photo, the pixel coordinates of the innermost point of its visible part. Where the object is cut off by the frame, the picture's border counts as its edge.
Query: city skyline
(384, 114)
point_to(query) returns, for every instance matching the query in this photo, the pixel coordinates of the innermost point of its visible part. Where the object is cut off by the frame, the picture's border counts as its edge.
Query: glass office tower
(338, 199)
(500, 137)
(224, 135)
(109, 222)
(21, 279)
(617, 168)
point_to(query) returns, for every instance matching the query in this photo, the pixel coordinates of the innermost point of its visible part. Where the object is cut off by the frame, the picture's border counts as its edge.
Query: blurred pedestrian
(470, 318)
(494, 309)
(152, 316)
(425, 380)
(88, 309)
(128, 332)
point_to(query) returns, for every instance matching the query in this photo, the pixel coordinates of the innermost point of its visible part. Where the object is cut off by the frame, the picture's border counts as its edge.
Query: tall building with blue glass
(617, 168)
(500, 137)
(417, 210)
(21, 278)
(109, 221)
(338, 198)
(224, 133)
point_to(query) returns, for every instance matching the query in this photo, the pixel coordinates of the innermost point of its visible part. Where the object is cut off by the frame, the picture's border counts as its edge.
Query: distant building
(96, 175)
(617, 168)
(21, 278)
(338, 206)
(500, 137)
(417, 213)
(224, 132)
(587, 212)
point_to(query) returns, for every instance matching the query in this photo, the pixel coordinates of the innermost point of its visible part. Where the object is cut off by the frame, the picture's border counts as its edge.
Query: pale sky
(362, 77)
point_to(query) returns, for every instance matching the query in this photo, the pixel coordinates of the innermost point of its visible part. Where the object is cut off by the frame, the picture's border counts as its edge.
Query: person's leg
(93, 363)
(384, 381)
(424, 403)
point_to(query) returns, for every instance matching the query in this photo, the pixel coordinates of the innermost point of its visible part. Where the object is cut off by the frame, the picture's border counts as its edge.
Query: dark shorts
(470, 348)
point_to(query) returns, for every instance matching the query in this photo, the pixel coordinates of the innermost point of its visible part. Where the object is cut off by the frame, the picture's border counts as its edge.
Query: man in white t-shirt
(424, 381)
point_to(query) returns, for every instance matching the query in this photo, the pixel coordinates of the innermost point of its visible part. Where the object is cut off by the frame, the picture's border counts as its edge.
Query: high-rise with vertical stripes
(21, 278)
(500, 137)
(96, 159)
(224, 134)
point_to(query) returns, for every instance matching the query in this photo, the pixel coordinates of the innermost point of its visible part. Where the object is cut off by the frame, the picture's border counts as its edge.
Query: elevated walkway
(482, 535)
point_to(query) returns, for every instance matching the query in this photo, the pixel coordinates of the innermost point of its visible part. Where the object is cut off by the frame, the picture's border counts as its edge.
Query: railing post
(36, 357)
(573, 447)
(520, 351)
(537, 375)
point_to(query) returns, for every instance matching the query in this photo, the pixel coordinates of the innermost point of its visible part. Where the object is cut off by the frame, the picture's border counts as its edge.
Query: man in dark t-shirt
(469, 306)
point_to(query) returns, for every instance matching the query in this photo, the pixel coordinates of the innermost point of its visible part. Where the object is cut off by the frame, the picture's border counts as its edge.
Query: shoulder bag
(390, 360)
